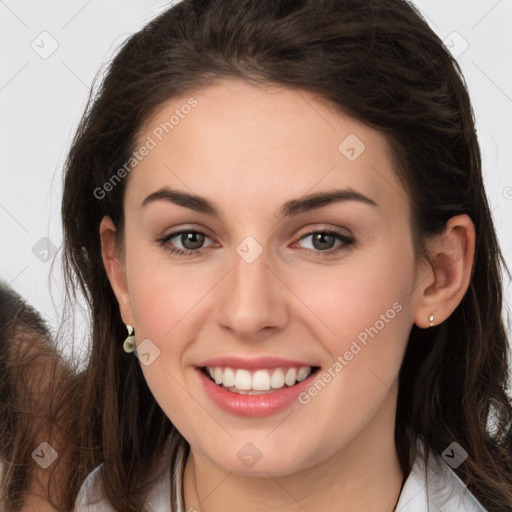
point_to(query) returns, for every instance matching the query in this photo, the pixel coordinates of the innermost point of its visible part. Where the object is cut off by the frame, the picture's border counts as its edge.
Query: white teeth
(228, 379)
(261, 380)
(258, 381)
(290, 377)
(243, 380)
(277, 379)
(303, 373)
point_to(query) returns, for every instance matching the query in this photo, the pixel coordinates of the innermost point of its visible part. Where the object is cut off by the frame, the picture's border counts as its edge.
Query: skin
(249, 150)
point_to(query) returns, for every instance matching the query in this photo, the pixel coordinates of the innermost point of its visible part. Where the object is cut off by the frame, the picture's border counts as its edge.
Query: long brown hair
(377, 60)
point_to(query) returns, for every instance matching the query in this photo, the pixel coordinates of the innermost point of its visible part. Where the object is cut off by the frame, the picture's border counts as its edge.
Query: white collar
(435, 488)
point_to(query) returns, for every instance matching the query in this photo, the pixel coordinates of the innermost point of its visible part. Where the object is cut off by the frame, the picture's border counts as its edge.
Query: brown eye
(324, 242)
(191, 242)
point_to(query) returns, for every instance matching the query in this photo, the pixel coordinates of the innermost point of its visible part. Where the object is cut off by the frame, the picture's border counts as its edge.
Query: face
(257, 281)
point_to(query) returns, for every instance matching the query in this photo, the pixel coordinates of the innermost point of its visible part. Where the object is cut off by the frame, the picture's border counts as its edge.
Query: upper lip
(261, 362)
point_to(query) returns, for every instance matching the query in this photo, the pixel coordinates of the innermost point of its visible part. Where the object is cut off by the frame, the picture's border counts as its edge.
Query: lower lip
(253, 405)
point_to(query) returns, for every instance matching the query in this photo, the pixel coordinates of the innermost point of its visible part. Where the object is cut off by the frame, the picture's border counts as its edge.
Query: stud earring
(431, 320)
(129, 342)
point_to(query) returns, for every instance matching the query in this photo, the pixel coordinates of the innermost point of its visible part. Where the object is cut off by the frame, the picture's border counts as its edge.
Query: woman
(284, 201)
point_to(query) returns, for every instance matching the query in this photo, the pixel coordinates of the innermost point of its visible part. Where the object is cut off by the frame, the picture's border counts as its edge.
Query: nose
(252, 300)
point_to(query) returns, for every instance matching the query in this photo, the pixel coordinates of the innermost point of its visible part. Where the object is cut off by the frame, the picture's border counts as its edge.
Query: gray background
(51, 51)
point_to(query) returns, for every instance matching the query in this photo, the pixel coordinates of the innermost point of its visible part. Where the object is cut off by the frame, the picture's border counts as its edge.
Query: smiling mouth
(257, 382)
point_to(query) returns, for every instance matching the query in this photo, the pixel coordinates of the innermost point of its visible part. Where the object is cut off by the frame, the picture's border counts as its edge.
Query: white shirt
(437, 489)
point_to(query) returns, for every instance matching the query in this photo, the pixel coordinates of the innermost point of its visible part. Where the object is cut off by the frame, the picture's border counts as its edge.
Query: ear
(443, 287)
(114, 266)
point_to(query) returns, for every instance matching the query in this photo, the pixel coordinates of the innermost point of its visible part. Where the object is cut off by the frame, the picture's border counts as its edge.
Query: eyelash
(347, 242)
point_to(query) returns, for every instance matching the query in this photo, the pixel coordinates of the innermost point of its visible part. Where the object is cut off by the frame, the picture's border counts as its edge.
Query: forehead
(233, 138)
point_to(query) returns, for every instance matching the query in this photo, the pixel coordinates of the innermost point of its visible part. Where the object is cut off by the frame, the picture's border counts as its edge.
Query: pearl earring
(129, 342)
(431, 320)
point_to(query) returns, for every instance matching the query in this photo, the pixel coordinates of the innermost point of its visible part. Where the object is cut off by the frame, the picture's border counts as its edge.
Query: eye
(191, 240)
(323, 242)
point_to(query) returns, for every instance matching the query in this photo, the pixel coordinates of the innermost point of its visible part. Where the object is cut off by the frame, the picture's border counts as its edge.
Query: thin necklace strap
(177, 491)
(180, 453)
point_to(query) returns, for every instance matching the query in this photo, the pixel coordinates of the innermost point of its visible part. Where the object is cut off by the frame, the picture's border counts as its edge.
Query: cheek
(365, 314)
(163, 306)
(164, 296)
(366, 298)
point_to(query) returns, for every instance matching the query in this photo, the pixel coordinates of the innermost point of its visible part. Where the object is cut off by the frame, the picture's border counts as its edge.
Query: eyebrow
(290, 208)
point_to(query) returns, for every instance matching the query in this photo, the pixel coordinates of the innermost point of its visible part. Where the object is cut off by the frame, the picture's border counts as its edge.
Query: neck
(363, 475)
